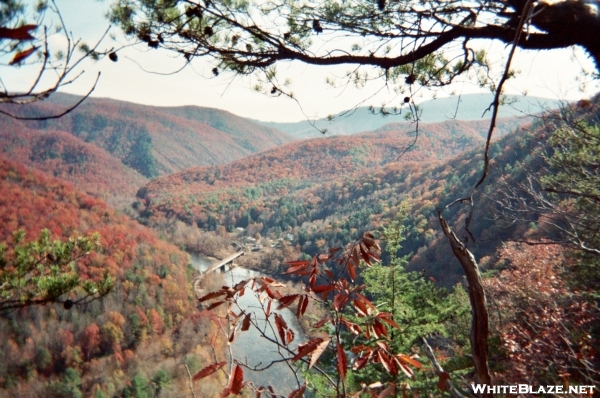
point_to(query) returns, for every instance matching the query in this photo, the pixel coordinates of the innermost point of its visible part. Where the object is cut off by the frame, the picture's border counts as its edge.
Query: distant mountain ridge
(129, 142)
(465, 107)
(208, 196)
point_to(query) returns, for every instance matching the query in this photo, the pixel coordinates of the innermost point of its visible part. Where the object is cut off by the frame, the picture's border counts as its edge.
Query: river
(250, 347)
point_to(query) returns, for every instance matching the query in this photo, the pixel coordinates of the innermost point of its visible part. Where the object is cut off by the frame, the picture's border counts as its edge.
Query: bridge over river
(222, 265)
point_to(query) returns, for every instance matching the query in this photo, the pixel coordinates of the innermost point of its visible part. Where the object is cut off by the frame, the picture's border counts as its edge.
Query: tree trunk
(479, 312)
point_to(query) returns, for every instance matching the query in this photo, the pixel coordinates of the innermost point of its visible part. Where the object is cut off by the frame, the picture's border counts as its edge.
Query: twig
(191, 383)
(439, 370)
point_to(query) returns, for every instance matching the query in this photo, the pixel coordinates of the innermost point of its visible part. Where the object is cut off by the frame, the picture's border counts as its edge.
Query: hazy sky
(549, 74)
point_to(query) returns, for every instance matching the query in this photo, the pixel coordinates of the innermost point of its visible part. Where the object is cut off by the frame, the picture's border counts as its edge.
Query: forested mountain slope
(330, 157)
(465, 107)
(90, 168)
(326, 196)
(142, 140)
(142, 330)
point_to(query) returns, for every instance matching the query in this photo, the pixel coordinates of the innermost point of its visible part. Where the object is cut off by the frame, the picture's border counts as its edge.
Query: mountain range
(464, 107)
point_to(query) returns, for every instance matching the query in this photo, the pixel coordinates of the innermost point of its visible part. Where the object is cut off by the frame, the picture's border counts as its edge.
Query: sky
(551, 74)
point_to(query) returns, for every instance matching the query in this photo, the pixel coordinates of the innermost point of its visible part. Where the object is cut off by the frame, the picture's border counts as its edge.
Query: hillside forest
(153, 185)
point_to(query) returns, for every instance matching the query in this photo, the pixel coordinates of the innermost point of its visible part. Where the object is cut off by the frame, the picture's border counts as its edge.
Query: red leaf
(281, 327)
(297, 263)
(246, 323)
(409, 360)
(342, 362)
(286, 301)
(329, 273)
(322, 288)
(268, 311)
(378, 329)
(321, 323)
(361, 362)
(307, 348)
(298, 393)
(317, 353)
(236, 380)
(269, 292)
(390, 390)
(207, 371)
(212, 295)
(289, 336)
(361, 308)
(304, 305)
(407, 371)
(21, 33)
(442, 381)
(340, 300)
(353, 327)
(352, 271)
(365, 300)
(21, 56)
(214, 305)
(389, 321)
(297, 268)
(387, 363)
(365, 256)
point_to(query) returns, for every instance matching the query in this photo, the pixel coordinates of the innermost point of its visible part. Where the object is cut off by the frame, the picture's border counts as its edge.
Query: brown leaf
(387, 320)
(409, 360)
(268, 311)
(342, 362)
(297, 268)
(340, 300)
(307, 348)
(21, 33)
(214, 305)
(286, 301)
(389, 366)
(378, 329)
(321, 347)
(302, 306)
(212, 295)
(289, 336)
(407, 371)
(353, 327)
(207, 371)
(246, 323)
(442, 381)
(236, 380)
(321, 323)
(21, 56)
(361, 362)
(361, 308)
(390, 390)
(297, 263)
(281, 327)
(322, 288)
(352, 271)
(298, 393)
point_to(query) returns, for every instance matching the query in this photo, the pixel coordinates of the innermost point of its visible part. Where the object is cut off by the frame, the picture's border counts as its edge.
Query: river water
(250, 347)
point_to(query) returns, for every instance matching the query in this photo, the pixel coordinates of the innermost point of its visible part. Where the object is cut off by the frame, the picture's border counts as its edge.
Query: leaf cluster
(43, 270)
